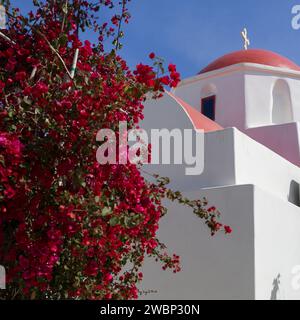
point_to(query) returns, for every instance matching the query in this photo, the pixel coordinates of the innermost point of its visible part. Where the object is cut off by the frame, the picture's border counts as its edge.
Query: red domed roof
(257, 56)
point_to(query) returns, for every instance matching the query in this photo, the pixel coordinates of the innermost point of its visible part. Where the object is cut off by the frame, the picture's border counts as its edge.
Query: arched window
(208, 101)
(208, 107)
(282, 104)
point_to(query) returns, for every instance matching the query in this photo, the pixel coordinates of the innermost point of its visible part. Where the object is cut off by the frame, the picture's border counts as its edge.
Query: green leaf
(106, 211)
(63, 40)
(114, 221)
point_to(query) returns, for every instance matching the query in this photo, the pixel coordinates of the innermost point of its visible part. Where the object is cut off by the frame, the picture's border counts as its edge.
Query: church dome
(258, 56)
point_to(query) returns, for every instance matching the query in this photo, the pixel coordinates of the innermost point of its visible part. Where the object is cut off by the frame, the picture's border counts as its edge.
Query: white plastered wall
(283, 139)
(229, 91)
(230, 157)
(277, 247)
(244, 93)
(259, 102)
(219, 267)
(250, 185)
(265, 243)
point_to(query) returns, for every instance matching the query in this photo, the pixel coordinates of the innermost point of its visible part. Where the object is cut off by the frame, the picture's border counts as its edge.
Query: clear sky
(192, 33)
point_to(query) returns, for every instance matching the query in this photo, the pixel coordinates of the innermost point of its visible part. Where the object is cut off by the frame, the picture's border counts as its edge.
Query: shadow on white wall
(282, 104)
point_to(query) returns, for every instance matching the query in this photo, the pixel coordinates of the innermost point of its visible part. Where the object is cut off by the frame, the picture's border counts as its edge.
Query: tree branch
(47, 41)
(2, 35)
(54, 51)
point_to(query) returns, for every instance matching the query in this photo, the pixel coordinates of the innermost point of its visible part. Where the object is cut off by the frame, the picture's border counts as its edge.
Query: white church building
(248, 104)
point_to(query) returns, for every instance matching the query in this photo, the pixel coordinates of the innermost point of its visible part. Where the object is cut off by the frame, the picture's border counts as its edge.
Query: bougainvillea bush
(71, 228)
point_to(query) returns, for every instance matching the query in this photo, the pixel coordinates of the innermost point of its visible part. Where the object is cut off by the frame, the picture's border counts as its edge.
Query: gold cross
(244, 34)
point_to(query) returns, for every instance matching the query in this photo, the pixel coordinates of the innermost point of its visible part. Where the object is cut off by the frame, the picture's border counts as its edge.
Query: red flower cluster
(227, 229)
(63, 216)
(174, 75)
(145, 75)
(10, 159)
(69, 225)
(152, 55)
(173, 79)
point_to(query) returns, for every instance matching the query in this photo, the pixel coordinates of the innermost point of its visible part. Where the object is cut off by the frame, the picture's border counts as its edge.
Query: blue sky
(192, 33)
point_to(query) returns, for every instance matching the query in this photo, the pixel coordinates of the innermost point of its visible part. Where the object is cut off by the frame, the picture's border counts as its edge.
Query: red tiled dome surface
(257, 56)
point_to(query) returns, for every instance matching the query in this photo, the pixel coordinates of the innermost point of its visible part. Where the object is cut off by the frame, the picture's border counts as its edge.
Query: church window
(208, 107)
